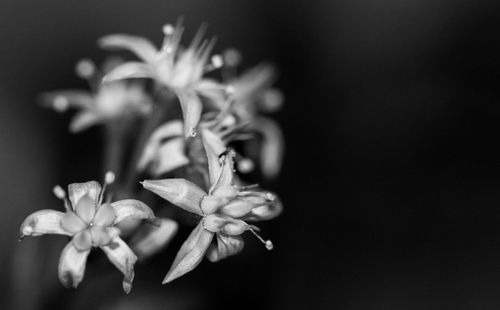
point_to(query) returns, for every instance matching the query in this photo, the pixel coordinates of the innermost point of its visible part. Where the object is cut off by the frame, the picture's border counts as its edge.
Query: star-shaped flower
(224, 210)
(105, 103)
(90, 223)
(179, 69)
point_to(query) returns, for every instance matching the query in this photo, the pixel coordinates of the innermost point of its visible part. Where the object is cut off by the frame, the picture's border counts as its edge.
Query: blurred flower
(108, 102)
(90, 223)
(179, 69)
(252, 94)
(224, 210)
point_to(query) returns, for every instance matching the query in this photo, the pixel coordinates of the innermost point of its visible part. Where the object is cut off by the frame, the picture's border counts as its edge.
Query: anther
(168, 30)
(85, 68)
(268, 243)
(245, 165)
(230, 89)
(193, 132)
(217, 61)
(109, 178)
(60, 103)
(59, 192)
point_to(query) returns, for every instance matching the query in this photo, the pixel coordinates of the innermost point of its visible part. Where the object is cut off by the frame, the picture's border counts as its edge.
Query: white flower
(109, 102)
(179, 69)
(224, 209)
(90, 223)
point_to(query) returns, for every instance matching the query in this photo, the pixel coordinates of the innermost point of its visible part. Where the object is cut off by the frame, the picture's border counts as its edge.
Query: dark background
(391, 180)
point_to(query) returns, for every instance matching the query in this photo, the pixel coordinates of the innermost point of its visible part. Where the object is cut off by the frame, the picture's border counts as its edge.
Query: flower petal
(214, 148)
(180, 192)
(142, 47)
(85, 208)
(123, 258)
(237, 208)
(43, 222)
(191, 111)
(129, 70)
(214, 91)
(154, 238)
(191, 253)
(100, 235)
(170, 156)
(225, 224)
(131, 209)
(84, 120)
(254, 80)
(105, 215)
(78, 190)
(72, 265)
(151, 149)
(272, 148)
(226, 246)
(72, 223)
(82, 240)
(265, 212)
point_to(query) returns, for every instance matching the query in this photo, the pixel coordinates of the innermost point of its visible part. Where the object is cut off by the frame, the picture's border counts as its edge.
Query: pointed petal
(191, 111)
(164, 150)
(190, 254)
(272, 146)
(72, 223)
(226, 246)
(171, 156)
(84, 120)
(214, 148)
(265, 212)
(237, 208)
(180, 192)
(225, 224)
(129, 70)
(85, 208)
(254, 80)
(77, 190)
(43, 222)
(142, 47)
(105, 215)
(82, 240)
(214, 91)
(155, 238)
(123, 258)
(101, 236)
(131, 209)
(72, 265)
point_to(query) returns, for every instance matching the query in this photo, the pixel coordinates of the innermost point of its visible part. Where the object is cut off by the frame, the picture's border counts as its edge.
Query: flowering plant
(188, 134)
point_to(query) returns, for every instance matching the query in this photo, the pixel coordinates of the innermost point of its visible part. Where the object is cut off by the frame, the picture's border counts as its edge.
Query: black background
(391, 178)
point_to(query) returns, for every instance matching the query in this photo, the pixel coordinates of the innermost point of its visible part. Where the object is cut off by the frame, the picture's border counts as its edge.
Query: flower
(90, 223)
(252, 94)
(224, 210)
(112, 101)
(179, 69)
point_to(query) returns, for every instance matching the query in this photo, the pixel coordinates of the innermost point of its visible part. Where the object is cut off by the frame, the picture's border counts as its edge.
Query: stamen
(168, 30)
(85, 68)
(60, 103)
(61, 194)
(217, 61)
(109, 178)
(268, 243)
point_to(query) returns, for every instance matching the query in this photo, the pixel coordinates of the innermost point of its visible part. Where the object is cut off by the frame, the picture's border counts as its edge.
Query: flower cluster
(190, 136)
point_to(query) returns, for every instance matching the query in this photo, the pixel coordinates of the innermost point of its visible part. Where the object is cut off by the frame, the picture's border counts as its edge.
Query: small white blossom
(90, 223)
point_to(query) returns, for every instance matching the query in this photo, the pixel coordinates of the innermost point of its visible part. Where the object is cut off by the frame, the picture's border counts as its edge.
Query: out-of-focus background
(391, 180)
